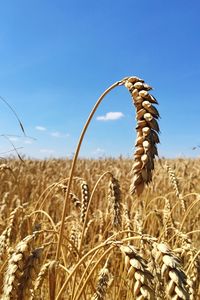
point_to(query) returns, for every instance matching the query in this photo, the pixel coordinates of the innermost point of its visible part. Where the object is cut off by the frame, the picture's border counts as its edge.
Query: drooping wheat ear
(172, 274)
(138, 273)
(147, 133)
(30, 274)
(175, 184)
(114, 200)
(16, 267)
(103, 282)
(84, 199)
(40, 279)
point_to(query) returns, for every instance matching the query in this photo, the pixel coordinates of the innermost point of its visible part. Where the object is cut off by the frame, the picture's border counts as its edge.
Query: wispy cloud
(13, 138)
(29, 142)
(111, 116)
(47, 151)
(58, 134)
(98, 152)
(40, 128)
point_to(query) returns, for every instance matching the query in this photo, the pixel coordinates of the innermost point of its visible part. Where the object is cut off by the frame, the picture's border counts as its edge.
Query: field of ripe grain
(114, 245)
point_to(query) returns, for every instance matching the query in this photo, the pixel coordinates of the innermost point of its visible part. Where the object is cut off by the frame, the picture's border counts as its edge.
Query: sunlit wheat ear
(168, 220)
(74, 238)
(84, 198)
(3, 245)
(30, 273)
(147, 133)
(9, 235)
(175, 279)
(40, 279)
(175, 184)
(114, 199)
(173, 179)
(138, 273)
(16, 267)
(103, 282)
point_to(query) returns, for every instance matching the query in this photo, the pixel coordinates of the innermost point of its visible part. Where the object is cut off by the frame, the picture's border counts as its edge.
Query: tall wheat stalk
(147, 138)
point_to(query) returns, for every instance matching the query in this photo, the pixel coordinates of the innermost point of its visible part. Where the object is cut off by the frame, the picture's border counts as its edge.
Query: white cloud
(40, 128)
(47, 151)
(58, 134)
(111, 116)
(29, 142)
(13, 138)
(98, 152)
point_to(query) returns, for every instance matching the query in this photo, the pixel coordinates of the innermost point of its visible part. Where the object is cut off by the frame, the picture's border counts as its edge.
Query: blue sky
(57, 57)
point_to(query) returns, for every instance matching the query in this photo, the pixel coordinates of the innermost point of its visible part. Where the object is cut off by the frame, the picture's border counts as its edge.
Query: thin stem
(81, 286)
(75, 159)
(96, 249)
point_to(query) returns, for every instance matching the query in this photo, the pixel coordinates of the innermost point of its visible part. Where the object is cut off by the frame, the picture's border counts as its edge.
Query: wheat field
(122, 247)
(102, 229)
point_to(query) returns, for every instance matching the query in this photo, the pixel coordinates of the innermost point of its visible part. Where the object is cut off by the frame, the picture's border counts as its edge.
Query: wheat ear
(147, 133)
(147, 139)
(102, 284)
(30, 274)
(3, 245)
(84, 198)
(40, 279)
(175, 184)
(16, 267)
(114, 200)
(174, 277)
(138, 273)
